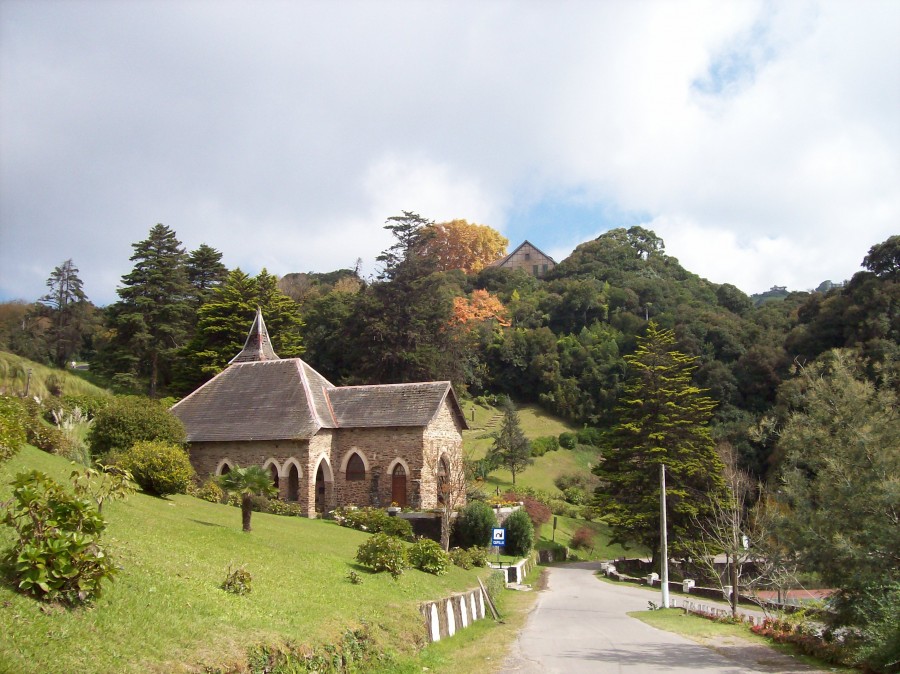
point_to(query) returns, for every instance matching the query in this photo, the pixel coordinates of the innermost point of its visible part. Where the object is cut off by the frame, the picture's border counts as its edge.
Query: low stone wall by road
(445, 617)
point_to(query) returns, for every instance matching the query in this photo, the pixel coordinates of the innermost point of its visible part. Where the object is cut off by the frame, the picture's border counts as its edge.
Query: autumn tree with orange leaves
(459, 244)
(481, 306)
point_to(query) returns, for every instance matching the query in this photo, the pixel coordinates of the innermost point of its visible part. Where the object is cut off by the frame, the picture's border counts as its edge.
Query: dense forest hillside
(558, 341)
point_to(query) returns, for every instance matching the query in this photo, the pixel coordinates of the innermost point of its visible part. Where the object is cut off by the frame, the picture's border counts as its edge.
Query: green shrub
(589, 512)
(428, 556)
(210, 491)
(519, 533)
(13, 419)
(542, 445)
(285, 508)
(374, 520)
(461, 558)
(567, 480)
(496, 583)
(58, 556)
(237, 581)
(562, 508)
(568, 440)
(575, 496)
(474, 524)
(479, 556)
(383, 553)
(590, 436)
(158, 467)
(258, 502)
(131, 419)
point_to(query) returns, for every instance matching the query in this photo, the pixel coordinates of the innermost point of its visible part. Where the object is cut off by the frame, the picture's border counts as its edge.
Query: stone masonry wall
(442, 435)
(380, 447)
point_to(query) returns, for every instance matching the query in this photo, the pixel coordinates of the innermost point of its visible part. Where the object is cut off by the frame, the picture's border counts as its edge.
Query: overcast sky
(760, 140)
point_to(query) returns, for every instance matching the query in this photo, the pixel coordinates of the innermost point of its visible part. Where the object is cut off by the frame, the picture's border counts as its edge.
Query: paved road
(579, 624)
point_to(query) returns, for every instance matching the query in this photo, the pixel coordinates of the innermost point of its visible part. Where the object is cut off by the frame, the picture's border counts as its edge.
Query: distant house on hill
(528, 258)
(325, 446)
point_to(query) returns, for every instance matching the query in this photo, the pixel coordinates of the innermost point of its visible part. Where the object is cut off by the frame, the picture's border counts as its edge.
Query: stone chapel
(324, 445)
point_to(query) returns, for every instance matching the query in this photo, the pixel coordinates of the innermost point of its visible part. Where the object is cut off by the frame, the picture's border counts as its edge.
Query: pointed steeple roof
(258, 346)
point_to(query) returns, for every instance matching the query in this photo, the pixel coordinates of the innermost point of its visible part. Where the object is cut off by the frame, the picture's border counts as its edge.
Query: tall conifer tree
(511, 449)
(67, 308)
(663, 419)
(150, 319)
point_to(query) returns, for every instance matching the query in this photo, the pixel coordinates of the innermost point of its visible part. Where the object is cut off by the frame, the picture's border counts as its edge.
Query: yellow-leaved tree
(459, 244)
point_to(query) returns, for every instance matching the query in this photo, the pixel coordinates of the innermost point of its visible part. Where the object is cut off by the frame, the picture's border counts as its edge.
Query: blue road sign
(498, 537)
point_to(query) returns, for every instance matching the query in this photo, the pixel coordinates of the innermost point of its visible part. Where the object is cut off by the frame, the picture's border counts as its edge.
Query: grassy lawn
(165, 611)
(566, 528)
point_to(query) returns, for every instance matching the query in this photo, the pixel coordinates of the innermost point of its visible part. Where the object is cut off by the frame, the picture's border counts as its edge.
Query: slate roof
(390, 404)
(258, 397)
(258, 345)
(264, 400)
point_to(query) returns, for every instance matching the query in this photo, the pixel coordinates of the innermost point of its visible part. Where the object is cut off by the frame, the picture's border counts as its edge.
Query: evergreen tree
(68, 312)
(226, 316)
(511, 449)
(662, 420)
(205, 271)
(840, 496)
(150, 319)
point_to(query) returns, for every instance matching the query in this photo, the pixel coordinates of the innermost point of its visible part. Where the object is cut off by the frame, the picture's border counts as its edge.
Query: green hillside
(14, 378)
(536, 422)
(165, 611)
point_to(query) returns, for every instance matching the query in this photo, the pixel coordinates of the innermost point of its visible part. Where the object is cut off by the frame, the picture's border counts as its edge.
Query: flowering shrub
(538, 511)
(383, 553)
(479, 556)
(286, 508)
(461, 558)
(210, 491)
(805, 638)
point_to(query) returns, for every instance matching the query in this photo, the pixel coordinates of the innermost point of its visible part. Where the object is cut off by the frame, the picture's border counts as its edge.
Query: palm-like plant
(248, 482)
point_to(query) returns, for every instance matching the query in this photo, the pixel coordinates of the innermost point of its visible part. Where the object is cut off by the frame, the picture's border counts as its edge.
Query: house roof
(504, 260)
(286, 399)
(391, 404)
(263, 400)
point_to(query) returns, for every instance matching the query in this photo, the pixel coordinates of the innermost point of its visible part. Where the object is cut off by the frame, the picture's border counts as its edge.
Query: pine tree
(663, 419)
(150, 319)
(67, 308)
(205, 271)
(511, 449)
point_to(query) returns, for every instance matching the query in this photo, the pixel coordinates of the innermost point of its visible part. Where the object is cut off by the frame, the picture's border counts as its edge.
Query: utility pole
(664, 545)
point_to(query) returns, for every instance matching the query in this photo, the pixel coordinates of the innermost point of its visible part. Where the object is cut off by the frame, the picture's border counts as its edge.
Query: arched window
(443, 479)
(356, 469)
(273, 471)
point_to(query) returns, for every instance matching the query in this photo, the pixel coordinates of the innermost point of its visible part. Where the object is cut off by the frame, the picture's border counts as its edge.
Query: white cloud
(285, 133)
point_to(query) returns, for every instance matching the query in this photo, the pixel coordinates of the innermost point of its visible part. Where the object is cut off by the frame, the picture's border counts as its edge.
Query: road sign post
(498, 540)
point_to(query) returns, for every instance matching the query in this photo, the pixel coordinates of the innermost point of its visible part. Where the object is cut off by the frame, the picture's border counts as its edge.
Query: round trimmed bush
(130, 419)
(383, 553)
(159, 468)
(519, 533)
(474, 524)
(428, 556)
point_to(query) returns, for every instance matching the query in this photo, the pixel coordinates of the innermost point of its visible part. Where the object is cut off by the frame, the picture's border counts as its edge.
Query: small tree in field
(511, 448)
(248, 482)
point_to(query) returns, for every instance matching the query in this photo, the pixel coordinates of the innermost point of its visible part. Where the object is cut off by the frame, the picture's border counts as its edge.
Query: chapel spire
(258, 346)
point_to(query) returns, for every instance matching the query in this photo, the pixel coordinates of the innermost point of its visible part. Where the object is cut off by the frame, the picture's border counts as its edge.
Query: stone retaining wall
(445, 617)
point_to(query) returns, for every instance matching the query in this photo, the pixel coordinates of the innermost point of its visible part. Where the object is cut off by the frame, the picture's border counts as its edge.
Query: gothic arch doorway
(398, 485)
